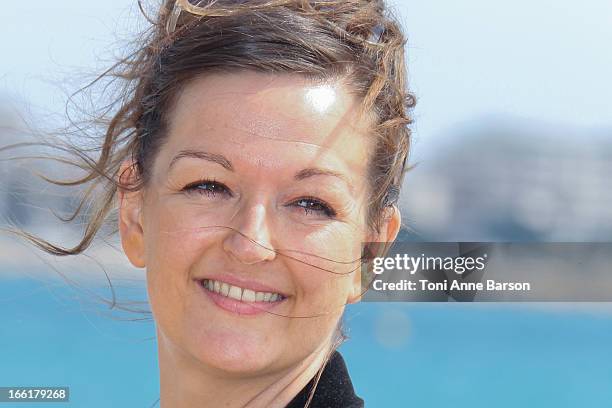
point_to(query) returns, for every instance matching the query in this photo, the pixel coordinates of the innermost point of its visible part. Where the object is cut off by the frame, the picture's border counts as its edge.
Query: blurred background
(512, 142)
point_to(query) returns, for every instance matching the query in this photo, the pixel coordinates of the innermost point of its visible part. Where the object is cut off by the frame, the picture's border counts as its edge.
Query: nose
(249, 243)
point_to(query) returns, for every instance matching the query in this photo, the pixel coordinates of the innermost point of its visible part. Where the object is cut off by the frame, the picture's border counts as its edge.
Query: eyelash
(320, 206)
(311, 203)
(195, 187)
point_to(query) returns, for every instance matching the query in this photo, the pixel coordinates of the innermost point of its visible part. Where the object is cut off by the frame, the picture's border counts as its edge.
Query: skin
(259, 133)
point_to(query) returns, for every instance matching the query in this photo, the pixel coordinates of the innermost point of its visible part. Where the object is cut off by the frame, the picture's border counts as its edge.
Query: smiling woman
(256, 146)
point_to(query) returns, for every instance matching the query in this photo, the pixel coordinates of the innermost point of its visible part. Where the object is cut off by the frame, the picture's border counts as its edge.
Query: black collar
(334, 390)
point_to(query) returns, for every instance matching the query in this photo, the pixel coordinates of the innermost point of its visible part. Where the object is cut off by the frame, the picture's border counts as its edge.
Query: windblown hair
(357, 41)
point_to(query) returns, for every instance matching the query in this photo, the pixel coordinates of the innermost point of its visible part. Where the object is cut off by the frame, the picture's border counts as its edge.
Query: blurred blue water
(399, 355)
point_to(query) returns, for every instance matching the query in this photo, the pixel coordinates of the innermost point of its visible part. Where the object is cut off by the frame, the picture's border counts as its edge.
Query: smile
(240, 294)
(238, 300)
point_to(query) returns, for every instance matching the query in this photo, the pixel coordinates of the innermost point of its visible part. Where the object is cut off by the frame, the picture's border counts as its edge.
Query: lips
(239, 296)
(239, 293)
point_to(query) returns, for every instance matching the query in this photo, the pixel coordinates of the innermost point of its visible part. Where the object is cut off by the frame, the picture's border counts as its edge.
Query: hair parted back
(357, 41)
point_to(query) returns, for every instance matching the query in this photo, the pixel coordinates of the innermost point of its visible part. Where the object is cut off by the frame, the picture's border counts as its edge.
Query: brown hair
(355, 40)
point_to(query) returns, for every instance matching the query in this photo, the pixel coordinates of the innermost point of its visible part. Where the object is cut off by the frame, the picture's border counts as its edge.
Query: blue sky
(538, 59)
(541, 60)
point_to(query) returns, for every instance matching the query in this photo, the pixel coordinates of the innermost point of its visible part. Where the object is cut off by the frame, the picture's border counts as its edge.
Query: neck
(187, 383)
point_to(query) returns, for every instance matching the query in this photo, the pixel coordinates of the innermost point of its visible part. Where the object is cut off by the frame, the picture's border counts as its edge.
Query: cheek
(173, 245)
(177, 233)
(324, 267)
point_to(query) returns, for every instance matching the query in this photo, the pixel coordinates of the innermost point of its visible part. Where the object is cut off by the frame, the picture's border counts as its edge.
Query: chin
(236, 352)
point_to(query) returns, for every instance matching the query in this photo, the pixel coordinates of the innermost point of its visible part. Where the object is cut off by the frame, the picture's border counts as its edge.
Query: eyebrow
(223, 161)
(198, 154)
(315, 171)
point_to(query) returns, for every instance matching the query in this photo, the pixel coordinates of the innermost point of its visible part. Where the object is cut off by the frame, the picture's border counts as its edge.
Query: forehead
(265, 116)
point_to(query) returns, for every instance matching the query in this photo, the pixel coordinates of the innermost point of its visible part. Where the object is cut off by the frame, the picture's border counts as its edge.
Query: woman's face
(261, 182)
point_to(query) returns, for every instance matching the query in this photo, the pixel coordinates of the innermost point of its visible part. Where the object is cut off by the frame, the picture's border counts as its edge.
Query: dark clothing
(334, 390)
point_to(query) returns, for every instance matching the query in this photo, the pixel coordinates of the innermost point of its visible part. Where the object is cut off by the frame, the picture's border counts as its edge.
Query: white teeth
(238, 293)
(235, 293)
(248, 295)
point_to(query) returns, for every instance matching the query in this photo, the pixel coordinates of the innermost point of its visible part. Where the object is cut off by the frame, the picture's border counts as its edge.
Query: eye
(311, 204)
(209, 188)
